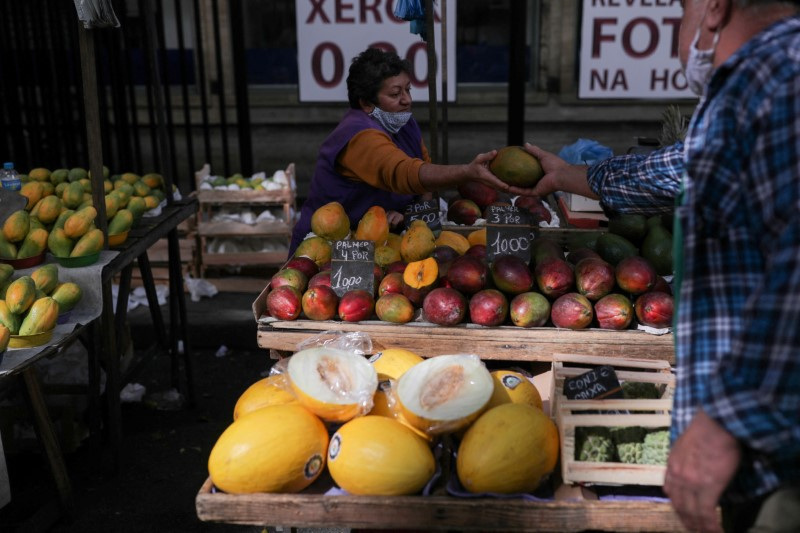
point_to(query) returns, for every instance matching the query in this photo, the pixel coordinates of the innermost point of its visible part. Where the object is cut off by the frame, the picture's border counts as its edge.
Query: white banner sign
(330, 33)
(629, 49)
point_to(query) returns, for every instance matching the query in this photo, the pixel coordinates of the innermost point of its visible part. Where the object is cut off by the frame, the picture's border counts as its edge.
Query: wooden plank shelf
(510, 343)
(226, 228)
(428, 513)
(245, 258)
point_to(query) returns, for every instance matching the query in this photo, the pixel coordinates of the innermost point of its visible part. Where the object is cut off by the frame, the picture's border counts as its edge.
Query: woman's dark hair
(367, 72)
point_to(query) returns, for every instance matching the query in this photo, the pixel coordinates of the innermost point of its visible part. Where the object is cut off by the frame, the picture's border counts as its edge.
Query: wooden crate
(572, 414)
(312, 508)
(208, 229)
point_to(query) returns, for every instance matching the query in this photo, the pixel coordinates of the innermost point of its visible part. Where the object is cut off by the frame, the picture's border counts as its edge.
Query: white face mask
(700, 65)
(391, 122)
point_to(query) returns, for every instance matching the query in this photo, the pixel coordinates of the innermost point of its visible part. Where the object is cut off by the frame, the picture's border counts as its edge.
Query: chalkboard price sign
(352, 266)
(508, 232)
(598, 383)
(425, 210)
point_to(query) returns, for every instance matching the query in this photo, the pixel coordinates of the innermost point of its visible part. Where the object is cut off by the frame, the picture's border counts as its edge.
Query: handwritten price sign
(508, 232)
(352, 266)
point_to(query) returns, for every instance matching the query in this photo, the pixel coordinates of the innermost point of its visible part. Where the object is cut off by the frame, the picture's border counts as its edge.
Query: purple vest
(356, 197)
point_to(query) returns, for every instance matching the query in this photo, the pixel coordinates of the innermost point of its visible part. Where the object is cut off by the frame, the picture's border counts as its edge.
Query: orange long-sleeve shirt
(372, 157)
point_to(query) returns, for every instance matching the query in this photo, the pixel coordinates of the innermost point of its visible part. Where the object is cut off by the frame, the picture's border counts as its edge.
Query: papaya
(159, 194)
(20, 294)
(39, 174)
(154, 181)
(10, 320)
(86, 184)
(67, 294)
(8, 250)
(122, 195)
(454, 240)
(77, 173)
(62, 218)
(6, 271)
(123, 186)
(112, 205)
(330, 222)
(91, 243)
(5, 336)
(129, 177)
(152, 201)
(59, 244)
(41, 317)
(418, 242)
(16, 226)
(373, 226)
(35, 223)
(59, 176)
(107, 186)
(140, 189)
(137, 206)
(80, 222)
(34, 244)
(73, 195)
(47, 209)
(33, 191)
(121, 222)
(46, 277)
(60, 188)
(48, 189)
(4, 288)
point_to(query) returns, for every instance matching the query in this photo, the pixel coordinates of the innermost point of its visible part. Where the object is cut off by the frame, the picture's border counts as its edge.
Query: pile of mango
(31, 304)
(60, 215)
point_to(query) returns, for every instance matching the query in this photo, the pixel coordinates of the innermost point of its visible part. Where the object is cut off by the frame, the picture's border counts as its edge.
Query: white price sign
(330, 33)
(629, 49)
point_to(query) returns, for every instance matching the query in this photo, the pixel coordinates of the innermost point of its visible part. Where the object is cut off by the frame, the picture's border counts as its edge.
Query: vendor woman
(376, 155)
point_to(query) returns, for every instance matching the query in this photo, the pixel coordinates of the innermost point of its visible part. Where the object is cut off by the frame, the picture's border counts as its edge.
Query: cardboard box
(576, 202)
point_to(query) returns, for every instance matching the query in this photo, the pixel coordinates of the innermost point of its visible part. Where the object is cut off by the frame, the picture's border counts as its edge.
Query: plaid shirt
(738, 324)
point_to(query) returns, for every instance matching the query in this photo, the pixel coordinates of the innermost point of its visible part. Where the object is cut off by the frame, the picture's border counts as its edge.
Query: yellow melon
(375, 455)
(513, 387)
(444, 394)
(393, 362)
(280, 448)
(385, 404)
(334, 384)
(511, 448)
(272, 390)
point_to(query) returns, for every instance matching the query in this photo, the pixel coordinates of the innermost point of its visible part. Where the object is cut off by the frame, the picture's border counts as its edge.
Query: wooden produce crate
(572, 414)
(210, 229)
(312, 508)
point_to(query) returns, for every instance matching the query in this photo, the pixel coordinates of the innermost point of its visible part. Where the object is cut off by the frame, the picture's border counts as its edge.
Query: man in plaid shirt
(736, 417)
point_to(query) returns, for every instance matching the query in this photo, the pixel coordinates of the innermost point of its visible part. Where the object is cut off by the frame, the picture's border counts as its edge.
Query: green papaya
(614, 248)
(657, 248)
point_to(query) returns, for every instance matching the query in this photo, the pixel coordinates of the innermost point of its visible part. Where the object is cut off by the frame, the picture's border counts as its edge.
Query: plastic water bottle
(9, 177)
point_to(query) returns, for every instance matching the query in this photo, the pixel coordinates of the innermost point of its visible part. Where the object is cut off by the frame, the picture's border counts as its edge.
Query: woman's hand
(394, 218)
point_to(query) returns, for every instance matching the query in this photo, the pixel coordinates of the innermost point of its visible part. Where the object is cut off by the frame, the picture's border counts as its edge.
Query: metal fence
(41, 96)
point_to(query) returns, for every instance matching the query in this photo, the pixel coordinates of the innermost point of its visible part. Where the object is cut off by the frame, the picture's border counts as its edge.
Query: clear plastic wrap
(331, 377)
(353, 341)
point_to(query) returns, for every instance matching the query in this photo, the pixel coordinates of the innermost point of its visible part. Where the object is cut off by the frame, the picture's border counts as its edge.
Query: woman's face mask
(391, 122)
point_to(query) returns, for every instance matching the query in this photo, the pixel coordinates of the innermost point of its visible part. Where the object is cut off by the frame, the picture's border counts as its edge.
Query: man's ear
(717, 14)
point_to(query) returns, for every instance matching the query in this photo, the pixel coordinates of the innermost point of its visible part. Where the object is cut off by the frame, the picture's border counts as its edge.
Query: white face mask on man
(391, 122)
(700, 65)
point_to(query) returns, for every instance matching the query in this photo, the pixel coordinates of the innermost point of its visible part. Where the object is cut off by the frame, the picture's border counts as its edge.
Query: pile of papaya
(60, 215)
(31, 304)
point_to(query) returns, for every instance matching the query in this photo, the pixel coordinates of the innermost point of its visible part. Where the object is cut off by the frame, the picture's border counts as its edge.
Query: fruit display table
(570, 511)
(508, 343)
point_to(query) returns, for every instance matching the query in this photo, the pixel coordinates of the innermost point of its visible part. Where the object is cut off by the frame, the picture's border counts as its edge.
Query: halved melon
(375, 455)
(445, 393)
(272, 390)
(513, 387)
(280, 448)
(393, 362)
(334, 384)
